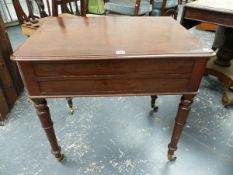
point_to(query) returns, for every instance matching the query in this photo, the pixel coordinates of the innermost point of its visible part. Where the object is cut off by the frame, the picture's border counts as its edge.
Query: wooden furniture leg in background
(70, 104)
(153, 103)
(181, 117)
(225, 53)
(222, 66)
(47, 124)
(83, 4)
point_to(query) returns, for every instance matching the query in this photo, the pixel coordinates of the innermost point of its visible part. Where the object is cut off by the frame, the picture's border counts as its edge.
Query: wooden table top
(225, 6)
(65, 38)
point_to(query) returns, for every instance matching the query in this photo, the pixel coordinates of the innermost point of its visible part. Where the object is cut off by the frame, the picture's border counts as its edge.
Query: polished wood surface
(110, 56)
(220, 13)
(110, 37)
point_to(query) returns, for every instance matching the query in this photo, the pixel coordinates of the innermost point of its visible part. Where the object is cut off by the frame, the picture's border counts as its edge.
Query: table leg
(225, 53)
(181, 117)
(41, 7)
(83, 4)
(70, 104)
(153, 103)
(47, 124)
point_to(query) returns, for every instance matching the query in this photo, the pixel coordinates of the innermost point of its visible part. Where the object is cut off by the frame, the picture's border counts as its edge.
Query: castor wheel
(153, 105)
(71, 111)
(155, 108)
(171, 157)
(70, 105)
(227, 98)
(60, 159)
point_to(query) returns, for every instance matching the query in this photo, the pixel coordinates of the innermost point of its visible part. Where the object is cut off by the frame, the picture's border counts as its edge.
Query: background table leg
(225, 53)
(46, 122)
(153, 103)
(222, 66)
(70, 104)
(181, 117)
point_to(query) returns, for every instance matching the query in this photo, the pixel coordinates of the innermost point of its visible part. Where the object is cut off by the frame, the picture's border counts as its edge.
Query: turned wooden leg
(182, 114)
(153, 103)
(47, 124)
(70, 104)
(225, 53)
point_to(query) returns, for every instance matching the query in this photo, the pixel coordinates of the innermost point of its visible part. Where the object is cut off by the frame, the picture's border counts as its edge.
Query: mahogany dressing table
(111, 56)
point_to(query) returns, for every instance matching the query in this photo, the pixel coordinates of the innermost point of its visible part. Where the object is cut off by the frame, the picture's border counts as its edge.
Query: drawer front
(114, 85)
(111, 77)
(115, 67)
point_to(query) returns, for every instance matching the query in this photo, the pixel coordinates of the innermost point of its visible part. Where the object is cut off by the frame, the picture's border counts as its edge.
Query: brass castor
(60, 159)
(227, 98)
(155, 108)
(171, 157)
(71, 111)
(153, 105)
(70, 105)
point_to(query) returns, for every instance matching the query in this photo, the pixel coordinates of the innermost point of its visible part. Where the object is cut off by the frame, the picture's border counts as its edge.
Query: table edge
(203, 7)
(83, 58)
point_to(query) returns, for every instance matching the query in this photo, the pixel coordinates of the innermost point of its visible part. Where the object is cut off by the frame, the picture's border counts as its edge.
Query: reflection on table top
(110, 37)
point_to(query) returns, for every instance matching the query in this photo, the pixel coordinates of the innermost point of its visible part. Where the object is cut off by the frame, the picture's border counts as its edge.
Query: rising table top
(110, 37)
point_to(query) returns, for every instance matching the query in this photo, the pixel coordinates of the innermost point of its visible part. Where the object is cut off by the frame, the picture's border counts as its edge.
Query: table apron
(112, 77)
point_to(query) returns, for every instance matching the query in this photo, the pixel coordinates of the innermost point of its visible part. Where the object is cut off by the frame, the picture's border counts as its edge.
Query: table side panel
(197, 73)
(29, 78)
(110, 77)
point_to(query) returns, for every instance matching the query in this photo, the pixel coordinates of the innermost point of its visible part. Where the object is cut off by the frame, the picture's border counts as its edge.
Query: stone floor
(120, 135)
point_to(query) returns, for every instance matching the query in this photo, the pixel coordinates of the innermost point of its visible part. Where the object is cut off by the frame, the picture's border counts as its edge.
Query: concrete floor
(120, 135)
